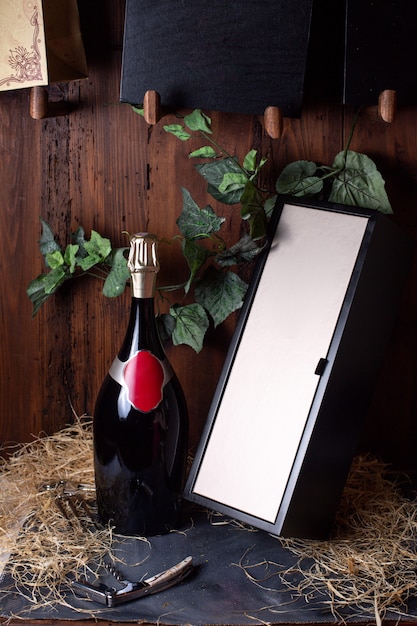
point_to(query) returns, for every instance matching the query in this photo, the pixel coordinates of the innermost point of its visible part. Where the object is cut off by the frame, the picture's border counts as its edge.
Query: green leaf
(233, 181)
(98, 249)
(249, 162)
(197, 120)
(178, 130)
(220, 293)
(191, 324)
(195, 256)
(166, 325)
(359, 183)
(252, 210)
(138, 109)
(115, 283)
(261, 164)
(35, 286)
(270, 205)
(245, 250)
(36, 293)
(55, 259)
(298, 179)
(250, 200)
(196, 223)
(47, 243)
(78, 239)
(54, 279)
(70, 256)
(214, 173)
(257, 225)
(205, 151)
(43, 286)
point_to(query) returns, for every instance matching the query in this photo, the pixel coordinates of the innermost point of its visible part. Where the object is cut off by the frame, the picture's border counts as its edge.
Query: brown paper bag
(40, 44)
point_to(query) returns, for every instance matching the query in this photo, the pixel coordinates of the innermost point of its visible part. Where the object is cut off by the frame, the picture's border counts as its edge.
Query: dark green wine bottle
(140, 420)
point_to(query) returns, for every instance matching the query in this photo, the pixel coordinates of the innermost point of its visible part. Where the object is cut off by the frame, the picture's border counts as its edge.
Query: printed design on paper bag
(26, 64)
(144, 379)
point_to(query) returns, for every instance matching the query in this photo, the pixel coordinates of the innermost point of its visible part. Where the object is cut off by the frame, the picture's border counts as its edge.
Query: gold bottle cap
(143, 264)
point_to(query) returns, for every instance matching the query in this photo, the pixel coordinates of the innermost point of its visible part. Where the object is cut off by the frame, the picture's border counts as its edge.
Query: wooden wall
(102, 167)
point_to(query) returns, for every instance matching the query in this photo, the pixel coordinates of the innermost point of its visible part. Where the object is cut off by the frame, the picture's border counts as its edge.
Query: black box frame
(346, 379)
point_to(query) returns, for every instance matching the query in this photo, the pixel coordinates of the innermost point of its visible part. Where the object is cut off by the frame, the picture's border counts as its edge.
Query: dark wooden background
(102, 167)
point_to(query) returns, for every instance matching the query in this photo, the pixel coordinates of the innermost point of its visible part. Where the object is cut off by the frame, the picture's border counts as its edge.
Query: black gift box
(227, 55)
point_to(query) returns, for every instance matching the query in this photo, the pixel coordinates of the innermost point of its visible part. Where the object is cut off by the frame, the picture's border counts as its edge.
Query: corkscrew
(72, 504)
(70, 500)
(111, 597)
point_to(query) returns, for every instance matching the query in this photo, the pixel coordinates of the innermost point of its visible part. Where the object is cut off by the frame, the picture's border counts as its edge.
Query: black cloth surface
(235, 581)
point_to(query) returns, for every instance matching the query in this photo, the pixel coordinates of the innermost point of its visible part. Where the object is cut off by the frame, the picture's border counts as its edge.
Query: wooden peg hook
(273, 122)
(387, 105)
(385, 110)
(40, 107)
(152, 110)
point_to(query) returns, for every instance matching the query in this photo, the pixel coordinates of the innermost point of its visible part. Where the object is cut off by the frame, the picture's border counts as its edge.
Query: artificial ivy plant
(213, 288)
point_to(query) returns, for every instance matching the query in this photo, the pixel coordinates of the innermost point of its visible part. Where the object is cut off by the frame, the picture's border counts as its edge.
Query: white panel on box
(311, 261)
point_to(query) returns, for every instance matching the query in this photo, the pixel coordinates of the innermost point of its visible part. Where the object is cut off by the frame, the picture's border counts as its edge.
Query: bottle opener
(111, 597)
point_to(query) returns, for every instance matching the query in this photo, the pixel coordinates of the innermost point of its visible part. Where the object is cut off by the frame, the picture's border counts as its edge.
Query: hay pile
(49, 546)
(370, 564)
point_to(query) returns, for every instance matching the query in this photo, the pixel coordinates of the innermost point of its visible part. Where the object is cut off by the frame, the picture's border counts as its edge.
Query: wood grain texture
(20, 364)
(103, 167)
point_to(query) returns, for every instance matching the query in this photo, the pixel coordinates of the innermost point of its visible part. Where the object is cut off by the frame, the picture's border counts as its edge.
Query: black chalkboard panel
(226, 55)
(381, 50)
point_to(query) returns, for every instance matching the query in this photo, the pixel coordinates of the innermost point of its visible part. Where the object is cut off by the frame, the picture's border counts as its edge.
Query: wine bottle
(140, 425)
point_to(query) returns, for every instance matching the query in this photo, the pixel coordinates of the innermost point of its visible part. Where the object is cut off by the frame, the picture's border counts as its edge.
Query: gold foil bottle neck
(143, 264)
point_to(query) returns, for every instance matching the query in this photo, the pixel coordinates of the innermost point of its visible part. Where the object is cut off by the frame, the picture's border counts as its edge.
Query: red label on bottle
(144, 378)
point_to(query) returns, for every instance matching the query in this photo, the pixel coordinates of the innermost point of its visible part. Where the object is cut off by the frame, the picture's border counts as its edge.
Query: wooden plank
(20, 364)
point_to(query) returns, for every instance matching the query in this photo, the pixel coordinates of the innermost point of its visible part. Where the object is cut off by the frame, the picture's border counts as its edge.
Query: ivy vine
(213, 287)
